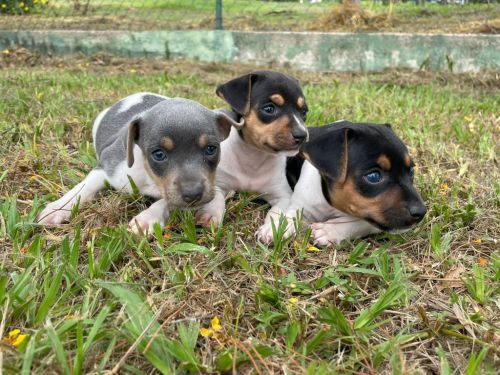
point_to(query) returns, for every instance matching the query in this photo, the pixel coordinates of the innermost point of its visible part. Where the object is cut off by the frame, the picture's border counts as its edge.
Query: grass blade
(50, 297)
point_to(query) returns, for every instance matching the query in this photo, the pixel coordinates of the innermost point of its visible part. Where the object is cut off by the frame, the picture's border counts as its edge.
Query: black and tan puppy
(352, 180)
(271, 109)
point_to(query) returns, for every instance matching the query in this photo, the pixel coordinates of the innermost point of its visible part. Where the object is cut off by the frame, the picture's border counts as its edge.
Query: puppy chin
(288, 153)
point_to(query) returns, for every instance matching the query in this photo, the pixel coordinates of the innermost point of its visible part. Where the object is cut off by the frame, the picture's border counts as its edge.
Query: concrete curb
(343, 52)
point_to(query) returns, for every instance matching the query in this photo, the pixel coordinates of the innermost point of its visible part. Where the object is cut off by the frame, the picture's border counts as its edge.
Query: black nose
(417, 211)
(299, 137)
(192, 192)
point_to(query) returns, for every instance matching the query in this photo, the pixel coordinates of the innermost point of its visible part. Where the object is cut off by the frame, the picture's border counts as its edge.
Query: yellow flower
(215, 323)
(293, 300)
(21, 4)
(44, 2)
(293, 286)
(132, 71)
(6, 52)
(205, 332)
(313, 249)
(443, 188)
(478, 241)
(15, 338)
(4, 6)
(14, 333)
(26, 9)
(468, 118)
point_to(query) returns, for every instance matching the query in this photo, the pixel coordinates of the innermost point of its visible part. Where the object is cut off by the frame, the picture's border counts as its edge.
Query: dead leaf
(452, 278)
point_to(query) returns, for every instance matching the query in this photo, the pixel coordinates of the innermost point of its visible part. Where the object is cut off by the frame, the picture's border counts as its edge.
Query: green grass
(92, 297)
(250, 15)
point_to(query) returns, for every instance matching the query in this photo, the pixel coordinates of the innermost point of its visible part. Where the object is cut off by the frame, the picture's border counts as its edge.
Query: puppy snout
(417, 211)
(299, 136)
(192, 192)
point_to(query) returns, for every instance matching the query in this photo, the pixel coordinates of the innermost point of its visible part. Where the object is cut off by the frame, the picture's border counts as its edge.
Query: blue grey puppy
(168, 147)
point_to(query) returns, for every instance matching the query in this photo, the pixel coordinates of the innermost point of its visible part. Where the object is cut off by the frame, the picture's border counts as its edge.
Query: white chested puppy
(170, 148)
(352, 180)
(271, 109)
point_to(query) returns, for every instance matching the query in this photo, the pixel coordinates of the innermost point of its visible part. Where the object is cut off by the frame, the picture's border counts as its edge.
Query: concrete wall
(345, 52)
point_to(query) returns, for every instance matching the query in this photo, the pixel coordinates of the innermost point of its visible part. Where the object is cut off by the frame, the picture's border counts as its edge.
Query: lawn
(92, 297)
(252, 15)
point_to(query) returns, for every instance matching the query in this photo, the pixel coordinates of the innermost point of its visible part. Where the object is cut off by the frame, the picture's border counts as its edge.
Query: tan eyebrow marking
(407, 160)
(168, 143)
(300, 102)
(277, 99)
(384, 162)
(202, 141)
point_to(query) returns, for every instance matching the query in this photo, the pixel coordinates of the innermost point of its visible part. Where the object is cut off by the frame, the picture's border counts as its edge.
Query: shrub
(20, 6)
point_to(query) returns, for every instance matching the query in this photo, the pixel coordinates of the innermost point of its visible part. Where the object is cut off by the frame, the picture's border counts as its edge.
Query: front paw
(265, 233)
(53, 215)
(322, 234)
(206, 218)
(143, 224)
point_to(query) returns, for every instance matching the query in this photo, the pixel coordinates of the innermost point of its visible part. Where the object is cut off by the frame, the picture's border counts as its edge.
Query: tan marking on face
(164, 183)
(384, 162)
(346, 198)
(202, 141)
(168, 143)
(407, 160)
(277, 99)
(300, 102)
(275, 136)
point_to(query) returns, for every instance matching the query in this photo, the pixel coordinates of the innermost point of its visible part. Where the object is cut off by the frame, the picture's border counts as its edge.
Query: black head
(180, 143)
(366, 172)
(273, 107)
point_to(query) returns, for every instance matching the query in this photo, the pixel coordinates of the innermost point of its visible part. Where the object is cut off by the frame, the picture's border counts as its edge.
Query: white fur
(329, 225)
(245, 168)
(60, 210)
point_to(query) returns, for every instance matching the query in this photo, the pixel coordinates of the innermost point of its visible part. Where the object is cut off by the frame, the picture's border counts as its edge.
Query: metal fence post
(218, 15)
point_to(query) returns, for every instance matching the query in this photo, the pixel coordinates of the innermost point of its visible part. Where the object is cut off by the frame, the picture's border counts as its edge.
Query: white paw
(143, 223)
(206, 218)
(322, 234)
(53, 215)
(265, 233)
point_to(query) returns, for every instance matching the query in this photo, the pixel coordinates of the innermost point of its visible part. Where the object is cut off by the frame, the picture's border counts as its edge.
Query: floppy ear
(132, 137)
(329, 153)
(224, 123)
(237, 92)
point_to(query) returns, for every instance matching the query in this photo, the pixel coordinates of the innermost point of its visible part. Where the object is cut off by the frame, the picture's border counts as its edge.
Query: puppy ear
(237, 92)
(329, 153)
(225, 121)
(132, 137)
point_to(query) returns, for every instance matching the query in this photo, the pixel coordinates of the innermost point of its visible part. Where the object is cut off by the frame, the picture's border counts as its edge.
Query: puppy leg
(60, 210)
(213, 211)
(278, 206)
(144, 222)
(333, 231)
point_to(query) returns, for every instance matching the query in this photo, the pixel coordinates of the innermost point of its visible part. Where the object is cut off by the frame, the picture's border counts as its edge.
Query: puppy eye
(269, 109)
(303, 113)
(210, 150)
(373, 177)
(159, 155)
